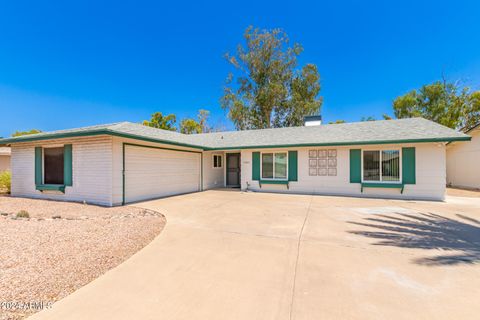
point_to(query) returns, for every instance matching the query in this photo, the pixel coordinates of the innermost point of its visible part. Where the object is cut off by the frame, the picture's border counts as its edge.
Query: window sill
(283, 182)
(382, 185)
(51, 187)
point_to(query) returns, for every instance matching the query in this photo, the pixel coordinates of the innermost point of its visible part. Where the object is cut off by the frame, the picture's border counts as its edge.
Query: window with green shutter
(53, 167)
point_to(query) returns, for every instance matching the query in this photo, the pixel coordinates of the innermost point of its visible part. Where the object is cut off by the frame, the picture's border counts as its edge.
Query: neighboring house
(126, 162)
(463, 162)
(4, 159)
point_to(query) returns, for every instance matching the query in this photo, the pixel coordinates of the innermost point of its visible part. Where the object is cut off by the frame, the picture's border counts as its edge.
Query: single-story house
(4, 159)
(126, 162)
(463, 161)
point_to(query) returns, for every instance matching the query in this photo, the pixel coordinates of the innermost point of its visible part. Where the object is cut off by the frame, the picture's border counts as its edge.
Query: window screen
(217, 161)
(267, 165)
(390, 165)
(371, 165)
(274, 165)
(53, 165)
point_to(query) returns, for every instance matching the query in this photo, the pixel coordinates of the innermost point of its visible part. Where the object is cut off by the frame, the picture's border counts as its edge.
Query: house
(463, 161)
(4, 159)
(125, 162)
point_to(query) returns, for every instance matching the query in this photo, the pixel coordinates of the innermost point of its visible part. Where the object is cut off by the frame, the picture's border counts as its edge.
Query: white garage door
(153, 173)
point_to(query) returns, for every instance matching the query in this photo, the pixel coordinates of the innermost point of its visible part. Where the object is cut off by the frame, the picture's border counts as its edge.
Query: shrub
(5, 181)
(23, 214)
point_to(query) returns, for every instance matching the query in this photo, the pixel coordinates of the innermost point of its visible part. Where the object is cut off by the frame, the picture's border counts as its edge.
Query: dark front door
(233, 169)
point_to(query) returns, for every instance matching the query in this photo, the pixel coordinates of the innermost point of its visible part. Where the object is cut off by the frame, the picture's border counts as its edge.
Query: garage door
(153, 173)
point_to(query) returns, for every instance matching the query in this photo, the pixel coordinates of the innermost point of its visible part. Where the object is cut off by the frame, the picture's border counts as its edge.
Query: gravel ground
(43, 259)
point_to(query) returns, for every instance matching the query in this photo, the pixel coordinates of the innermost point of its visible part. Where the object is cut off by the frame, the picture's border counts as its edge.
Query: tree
(386, 117)
(337, 122)
(369, 118)
(444, 102)
(190, 125)
(23, 133)
(160, 121)
(270, 90)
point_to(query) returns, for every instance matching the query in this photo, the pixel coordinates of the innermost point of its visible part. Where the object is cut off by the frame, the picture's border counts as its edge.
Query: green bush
(5, 181)
(23, 214)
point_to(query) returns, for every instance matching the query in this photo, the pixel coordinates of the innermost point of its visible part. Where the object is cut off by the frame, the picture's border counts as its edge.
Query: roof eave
(110, 132)
(348, 143)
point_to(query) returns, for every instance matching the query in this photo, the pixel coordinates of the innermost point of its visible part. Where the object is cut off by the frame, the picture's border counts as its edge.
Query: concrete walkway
(232, 255)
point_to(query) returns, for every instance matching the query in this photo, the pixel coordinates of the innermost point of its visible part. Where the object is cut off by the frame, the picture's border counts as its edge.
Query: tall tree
(270, 90)
(159, 121)
(23, 133)
(201, 125)
(444, 102)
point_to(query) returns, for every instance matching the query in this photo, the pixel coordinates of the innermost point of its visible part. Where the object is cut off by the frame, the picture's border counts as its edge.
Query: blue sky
(67, 64)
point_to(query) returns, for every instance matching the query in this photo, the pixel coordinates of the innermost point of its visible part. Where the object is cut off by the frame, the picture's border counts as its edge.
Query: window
(274, 165)
(381, 165)
(217, 161)
(53, 165)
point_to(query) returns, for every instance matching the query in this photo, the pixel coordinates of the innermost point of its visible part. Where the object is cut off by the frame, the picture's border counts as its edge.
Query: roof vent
(312, 121)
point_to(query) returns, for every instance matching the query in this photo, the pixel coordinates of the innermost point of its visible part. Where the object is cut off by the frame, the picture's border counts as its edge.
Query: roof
(356, 133)
(5, 151)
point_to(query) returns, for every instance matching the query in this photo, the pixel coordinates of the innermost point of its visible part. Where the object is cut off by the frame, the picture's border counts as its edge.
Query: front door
(233, 169)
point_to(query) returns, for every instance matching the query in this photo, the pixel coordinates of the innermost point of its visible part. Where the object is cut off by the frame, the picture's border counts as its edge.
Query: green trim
(38, 166)
(382, 185)
(255, 166)
(161, 148)
(87, 133)
(284, 182)
(350, 143)
(355, 165)
(408, 166)
(67, 165)
(292, 166)
(51, 187)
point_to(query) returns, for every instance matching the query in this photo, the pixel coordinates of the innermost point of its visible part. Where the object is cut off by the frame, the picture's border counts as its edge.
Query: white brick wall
(92, 170)
(430, 174)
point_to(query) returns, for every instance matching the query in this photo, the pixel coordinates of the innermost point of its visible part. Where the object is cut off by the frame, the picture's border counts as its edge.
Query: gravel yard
(63, 246)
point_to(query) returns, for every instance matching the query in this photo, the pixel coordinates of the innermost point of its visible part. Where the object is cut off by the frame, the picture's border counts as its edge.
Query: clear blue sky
(67, 64)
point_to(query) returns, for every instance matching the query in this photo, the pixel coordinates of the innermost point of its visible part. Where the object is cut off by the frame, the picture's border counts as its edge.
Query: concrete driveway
(233, 255)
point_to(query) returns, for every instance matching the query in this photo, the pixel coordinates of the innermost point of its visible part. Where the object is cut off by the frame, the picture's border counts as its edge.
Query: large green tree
(159, 121)
(23, 133)
(201, 125)
(444, 102)
(268, 89)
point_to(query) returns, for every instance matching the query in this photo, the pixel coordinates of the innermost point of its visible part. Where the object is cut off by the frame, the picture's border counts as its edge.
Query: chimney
(312, 121)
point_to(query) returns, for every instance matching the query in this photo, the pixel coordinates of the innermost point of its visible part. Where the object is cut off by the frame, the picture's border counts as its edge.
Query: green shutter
(292, 166)
(38, 166)
(355, 166)
(256, 166)
(408, 166)
(67, 165)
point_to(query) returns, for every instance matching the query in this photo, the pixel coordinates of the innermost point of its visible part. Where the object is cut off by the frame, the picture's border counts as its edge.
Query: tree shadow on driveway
(427, 231)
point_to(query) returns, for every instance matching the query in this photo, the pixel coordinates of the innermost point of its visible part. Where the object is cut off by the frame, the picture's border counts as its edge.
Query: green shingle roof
(355, 133)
